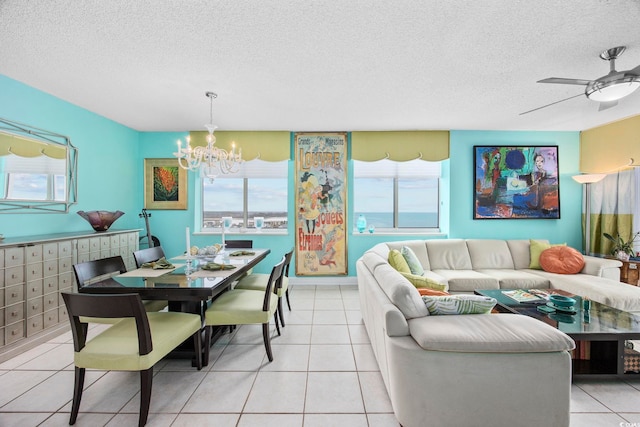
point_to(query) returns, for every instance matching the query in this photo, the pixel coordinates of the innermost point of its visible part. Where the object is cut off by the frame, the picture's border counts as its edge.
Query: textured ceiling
(331, 65)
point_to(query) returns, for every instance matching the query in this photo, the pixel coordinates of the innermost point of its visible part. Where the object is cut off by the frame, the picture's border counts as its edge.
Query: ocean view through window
(395, 195)
(259, 190)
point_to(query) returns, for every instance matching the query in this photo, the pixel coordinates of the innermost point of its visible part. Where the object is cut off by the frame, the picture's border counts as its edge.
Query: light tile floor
(324, 374)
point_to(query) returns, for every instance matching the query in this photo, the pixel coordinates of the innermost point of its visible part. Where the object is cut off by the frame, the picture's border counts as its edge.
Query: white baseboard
(322, 281)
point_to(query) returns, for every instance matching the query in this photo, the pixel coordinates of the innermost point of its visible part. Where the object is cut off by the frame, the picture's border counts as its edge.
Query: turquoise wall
(566, 229)
(111, 165)
(108, 154)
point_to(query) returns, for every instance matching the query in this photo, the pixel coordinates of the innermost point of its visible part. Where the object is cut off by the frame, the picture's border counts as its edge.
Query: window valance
(400, 146)
(271, 146)
(25, 147)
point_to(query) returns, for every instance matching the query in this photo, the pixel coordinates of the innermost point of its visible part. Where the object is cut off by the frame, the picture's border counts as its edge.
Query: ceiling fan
(606, 90)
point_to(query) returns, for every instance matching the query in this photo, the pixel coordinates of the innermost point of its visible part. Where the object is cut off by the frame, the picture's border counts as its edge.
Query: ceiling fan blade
(562, 81)
(635, 71)
(606, 105)
(553, 103)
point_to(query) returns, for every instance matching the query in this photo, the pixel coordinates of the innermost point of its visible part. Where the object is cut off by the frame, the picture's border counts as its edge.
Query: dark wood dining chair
(93, 271)
(148, 255)
(101, 269)
(136, 342)
(258, 282)
(238, 244)
(245, 307)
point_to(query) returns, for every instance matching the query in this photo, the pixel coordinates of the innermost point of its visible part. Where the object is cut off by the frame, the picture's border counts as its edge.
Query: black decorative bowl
(100, 220)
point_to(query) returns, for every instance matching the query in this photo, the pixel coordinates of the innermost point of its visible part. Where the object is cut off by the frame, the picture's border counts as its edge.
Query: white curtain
(615, 208)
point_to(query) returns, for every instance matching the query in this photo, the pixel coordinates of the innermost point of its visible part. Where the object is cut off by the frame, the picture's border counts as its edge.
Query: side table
(629, 272)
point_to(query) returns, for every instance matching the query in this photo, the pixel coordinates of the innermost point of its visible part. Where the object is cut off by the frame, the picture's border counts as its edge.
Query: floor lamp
(588, 179)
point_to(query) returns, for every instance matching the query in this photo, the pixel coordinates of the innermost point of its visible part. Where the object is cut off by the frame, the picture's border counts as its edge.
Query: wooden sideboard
(33, 272)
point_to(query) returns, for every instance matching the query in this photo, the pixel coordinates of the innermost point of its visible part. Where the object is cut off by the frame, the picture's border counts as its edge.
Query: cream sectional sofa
(465, 265)
(476, 370)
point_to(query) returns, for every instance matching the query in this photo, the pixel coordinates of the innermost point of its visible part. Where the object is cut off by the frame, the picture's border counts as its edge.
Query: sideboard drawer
(34, 306)
(14, 332)
(14, 313)
(13, 275)
(34, 325)
(13, 294)
(13, 257)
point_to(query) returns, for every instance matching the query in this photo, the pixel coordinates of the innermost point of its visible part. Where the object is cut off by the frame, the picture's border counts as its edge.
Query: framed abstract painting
(165, 184)
(516, 182)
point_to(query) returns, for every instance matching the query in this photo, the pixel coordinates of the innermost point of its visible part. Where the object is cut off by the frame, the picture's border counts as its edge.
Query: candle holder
(190, 265)
(225, 225)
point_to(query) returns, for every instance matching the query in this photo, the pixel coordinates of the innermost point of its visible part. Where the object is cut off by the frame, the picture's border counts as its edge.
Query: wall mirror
(38, 170)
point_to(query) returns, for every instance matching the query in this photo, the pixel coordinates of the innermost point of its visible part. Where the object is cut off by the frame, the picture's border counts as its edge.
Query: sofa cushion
(397, 261)
(459, 304)
(418, 247)
(467, 280)
(492, 333)
(486, 253)
(605, 291)
(520, 253)
(423, 282)
(517, 279)
(400, 292)
(450, 254)
(561, 260)
(536, 247)
(412, 260)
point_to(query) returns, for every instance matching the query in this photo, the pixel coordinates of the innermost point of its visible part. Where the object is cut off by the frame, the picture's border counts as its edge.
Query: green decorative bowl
(562, 301)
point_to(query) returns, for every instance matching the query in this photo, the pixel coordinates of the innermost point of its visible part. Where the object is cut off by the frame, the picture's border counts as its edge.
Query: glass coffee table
(601, 332)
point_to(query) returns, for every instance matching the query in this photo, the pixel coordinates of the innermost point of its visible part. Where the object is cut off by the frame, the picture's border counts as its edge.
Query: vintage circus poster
(321, 203)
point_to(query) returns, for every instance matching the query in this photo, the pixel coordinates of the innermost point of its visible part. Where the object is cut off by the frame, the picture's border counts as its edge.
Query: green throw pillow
(423, 282)
(459, 304)
(412, 260)
(535, 248)
(397, 261)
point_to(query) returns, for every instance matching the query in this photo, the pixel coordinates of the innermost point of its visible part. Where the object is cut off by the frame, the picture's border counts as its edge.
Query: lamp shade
(613, 90)
(588, 178)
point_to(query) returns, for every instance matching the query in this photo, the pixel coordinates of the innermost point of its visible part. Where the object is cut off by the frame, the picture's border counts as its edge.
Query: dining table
(188, 285)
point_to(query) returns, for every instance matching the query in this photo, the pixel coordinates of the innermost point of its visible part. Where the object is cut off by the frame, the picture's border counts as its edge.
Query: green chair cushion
(258, 282)
(239, 307)
(117, 347)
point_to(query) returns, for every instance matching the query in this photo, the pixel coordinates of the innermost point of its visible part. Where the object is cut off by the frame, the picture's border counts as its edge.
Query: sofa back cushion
(418, 247)
(520, 253)
(450, 254)
(400, 292)
(489, 254)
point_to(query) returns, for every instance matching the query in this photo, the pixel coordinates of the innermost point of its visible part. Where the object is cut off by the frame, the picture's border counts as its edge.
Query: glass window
(31, 186)
(258, 190)
(393, 195)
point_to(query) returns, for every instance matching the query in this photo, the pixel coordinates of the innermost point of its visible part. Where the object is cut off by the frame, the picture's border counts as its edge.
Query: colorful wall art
(321, 209)
(516, 182)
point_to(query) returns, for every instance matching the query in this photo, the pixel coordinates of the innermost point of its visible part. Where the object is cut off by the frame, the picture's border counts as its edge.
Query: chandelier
(210, 160)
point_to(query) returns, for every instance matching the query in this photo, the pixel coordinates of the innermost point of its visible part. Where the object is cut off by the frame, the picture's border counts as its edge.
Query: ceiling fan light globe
(612, 91)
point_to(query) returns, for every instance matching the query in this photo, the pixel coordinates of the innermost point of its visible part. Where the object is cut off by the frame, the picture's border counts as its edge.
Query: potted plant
(621, 249)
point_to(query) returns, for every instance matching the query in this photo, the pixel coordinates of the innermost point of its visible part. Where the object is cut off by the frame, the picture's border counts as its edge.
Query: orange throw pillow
(561, 260)
(431, 292)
